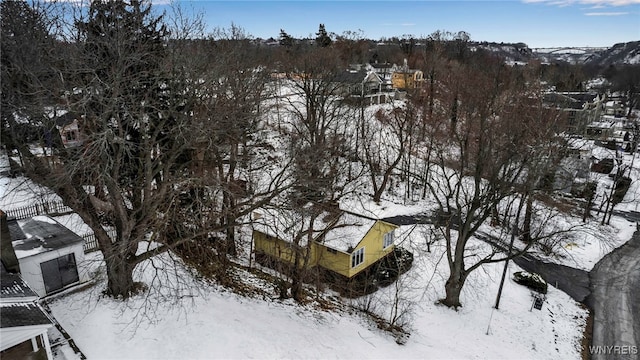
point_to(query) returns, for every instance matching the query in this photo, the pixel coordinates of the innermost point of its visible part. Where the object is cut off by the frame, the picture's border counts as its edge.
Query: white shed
(47, 254)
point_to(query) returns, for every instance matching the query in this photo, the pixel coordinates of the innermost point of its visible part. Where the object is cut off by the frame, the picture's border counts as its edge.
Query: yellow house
(345, 244)
(407, 79)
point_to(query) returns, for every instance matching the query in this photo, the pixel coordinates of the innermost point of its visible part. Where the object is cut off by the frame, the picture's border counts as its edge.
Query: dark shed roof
(41, 232)
(351, 77)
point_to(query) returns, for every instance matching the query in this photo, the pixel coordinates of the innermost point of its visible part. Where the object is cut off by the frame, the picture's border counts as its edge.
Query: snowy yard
(194, 319)
(210, 322)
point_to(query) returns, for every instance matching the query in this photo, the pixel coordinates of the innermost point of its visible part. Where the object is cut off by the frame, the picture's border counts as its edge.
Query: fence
(44, 208)
(56, 208)
(91, 243)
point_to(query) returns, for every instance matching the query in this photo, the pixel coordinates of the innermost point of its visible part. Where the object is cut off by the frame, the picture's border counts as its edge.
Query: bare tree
(140, 108)
(492, 144)
(317, 123)
(385, 141)
(232, 88)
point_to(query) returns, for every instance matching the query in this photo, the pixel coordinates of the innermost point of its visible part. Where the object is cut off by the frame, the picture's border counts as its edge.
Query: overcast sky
(538, 23)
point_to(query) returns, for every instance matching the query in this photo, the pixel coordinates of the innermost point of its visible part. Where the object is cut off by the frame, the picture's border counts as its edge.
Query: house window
(71, 135)
(60, 272)
(388, 239)
(357, 257)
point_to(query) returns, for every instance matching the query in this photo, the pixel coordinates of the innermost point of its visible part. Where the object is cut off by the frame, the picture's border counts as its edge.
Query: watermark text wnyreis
(614, 349)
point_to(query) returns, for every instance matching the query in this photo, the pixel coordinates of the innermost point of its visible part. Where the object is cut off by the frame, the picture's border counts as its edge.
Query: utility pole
(514, 231)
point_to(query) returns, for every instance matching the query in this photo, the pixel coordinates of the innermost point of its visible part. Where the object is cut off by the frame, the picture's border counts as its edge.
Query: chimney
(7, 253)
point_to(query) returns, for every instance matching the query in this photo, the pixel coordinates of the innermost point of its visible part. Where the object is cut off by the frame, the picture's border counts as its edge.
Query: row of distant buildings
(592, 115)
(379, 82)
(595, 116)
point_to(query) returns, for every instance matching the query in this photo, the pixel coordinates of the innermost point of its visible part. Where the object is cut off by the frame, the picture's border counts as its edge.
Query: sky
(538, 23)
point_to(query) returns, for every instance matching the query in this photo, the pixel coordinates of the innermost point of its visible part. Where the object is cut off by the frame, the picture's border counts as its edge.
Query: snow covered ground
(194, 319)
(209, 322)
(20, 191)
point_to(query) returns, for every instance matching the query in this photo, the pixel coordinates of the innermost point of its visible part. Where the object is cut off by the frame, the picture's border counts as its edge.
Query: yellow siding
(335, 260)
(406, 80)
(372, 243)
(340, 262)
(278, 248)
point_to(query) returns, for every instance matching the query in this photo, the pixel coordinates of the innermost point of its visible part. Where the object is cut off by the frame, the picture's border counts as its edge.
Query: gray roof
(17, 303)
(562, 100)
(381, 65)
(66, 119)
(40, 234)
(351, 77)
(13, 287)
(22, 314)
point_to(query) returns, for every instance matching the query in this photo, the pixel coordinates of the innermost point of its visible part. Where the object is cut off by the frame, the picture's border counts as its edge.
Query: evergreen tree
(285, 39)
(27, 80)
(322, 38)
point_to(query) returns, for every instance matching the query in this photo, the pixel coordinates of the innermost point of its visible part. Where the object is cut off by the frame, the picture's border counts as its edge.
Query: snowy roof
(600, 125)
(40, 234)
(337, 232)
(348, 231)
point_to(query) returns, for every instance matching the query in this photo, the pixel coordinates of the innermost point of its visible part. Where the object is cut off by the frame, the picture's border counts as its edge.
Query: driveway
(615, 300)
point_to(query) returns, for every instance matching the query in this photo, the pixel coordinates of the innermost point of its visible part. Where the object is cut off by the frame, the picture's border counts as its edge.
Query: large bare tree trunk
(120, 277)
(452, 288)
(454, 285)
(526, 232)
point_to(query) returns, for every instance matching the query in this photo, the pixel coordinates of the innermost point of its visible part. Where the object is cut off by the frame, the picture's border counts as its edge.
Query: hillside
(618, 54)
(623, 53)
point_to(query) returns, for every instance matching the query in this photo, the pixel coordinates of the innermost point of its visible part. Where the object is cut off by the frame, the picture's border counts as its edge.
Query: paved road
(631, 215)
(615, 300)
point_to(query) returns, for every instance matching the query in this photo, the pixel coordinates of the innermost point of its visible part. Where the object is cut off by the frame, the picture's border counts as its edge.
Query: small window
(357, 257)
(71, 135)
(388, 240)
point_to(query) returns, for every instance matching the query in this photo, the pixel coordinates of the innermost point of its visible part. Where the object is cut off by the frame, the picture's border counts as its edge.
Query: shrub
(531, 280)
